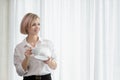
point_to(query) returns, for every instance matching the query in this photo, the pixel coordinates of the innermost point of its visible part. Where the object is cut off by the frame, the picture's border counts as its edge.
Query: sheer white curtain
(85, 34)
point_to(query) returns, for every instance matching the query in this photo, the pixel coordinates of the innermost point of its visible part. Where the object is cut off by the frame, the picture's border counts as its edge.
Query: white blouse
(36, 66)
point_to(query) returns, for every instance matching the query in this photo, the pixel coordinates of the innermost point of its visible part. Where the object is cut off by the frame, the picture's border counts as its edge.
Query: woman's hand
(27, 58)
(51, 63)
(28, 53)
(48, 61)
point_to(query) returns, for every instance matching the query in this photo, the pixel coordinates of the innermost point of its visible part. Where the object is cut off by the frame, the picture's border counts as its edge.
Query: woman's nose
(37, 26)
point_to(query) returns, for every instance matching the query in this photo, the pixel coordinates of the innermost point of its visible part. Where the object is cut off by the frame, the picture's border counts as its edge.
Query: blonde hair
(26, 22)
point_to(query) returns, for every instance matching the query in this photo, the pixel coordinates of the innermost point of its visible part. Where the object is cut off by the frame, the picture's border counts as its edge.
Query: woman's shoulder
(20, 44)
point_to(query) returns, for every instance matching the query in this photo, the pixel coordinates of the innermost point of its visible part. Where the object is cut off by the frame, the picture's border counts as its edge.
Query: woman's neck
(32, 40)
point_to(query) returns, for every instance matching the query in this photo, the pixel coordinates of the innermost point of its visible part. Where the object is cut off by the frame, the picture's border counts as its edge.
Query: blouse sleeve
(18, 62)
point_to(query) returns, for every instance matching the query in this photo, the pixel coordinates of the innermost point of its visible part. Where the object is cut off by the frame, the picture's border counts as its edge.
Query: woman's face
(35, 27)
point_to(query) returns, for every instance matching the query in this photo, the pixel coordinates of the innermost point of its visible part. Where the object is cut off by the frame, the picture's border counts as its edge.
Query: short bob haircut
(26, 22)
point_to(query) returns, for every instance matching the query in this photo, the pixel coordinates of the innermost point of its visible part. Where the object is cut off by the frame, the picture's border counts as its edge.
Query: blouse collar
(29, 46)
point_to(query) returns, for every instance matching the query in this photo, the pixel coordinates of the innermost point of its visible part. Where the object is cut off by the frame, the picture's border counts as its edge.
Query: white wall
(3, 39)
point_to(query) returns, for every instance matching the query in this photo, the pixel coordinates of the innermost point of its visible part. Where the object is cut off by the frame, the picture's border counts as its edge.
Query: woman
(25, 62)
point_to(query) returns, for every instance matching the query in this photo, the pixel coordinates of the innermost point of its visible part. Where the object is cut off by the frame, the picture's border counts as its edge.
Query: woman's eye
(38, 23)
(33, 24)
